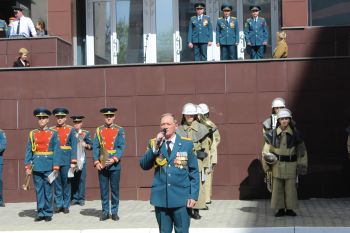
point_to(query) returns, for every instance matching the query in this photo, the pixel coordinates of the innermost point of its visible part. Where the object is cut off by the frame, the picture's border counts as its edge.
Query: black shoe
(208, 202)
(48, 219)
(280, 213)
(205, 208)
(74, 203)
(39, 218)
(195, 214)
(65, 210)
(104, 217)
(2, 204)
(82, 203)
(58, 209)
(291, 213)
(115, 217)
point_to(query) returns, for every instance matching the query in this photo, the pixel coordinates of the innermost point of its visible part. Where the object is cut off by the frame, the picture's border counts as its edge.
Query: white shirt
(26, 27)
(171, 144)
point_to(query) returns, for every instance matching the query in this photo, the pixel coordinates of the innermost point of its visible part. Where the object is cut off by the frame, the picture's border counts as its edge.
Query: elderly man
(175, 184)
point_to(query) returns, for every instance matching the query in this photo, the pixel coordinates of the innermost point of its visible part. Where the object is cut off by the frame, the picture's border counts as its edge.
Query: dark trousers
(200, 51)
(169, 218)
(109, 178)
(43, 192)
(78, 186)
(228, 52)
(1, 184)
(62, 186)
(256, 52)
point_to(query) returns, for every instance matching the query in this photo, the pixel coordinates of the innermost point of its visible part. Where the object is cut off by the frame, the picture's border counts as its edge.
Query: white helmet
(199, 110)
(284, 112)
(278, 102)
(204, 107)
(189, 109)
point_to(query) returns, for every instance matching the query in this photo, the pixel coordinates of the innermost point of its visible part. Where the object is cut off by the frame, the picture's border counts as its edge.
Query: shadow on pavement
(91, 212)
(27, 213)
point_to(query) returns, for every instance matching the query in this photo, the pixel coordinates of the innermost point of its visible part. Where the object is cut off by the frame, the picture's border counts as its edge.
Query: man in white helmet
(270, 123)
(198, 133)
(214, 139)
(287, 144)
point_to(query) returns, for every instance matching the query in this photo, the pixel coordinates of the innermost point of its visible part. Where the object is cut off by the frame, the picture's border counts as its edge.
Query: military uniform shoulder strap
(153, 142)
(185, 138)
(232, 17)
(220, 18)
(53, 128)
(85, 131)
(117, 126)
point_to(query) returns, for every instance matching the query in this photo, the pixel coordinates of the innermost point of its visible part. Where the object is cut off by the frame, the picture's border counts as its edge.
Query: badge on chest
(181, 160)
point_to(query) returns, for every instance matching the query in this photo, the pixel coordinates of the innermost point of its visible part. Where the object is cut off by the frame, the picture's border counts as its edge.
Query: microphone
(159, 141)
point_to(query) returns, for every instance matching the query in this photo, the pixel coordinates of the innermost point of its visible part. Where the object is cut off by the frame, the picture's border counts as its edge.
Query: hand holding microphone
(160, 138)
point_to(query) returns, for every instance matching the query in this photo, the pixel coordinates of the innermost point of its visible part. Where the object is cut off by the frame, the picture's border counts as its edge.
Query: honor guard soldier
(200, 33)
(108, 149)
(68, 159)
(175, 184)
(256, 33)
(284, 154)
(227, 34)
(198, 133)
(83, 143)
(214, 139)
(41, 159)
(3, 143)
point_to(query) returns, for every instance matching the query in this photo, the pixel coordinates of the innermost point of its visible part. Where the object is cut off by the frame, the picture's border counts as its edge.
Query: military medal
(232, 25)
(205, 22)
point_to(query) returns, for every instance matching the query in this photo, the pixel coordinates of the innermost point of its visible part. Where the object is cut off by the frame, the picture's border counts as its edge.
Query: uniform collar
(193, 126)
(172, 140)
(288, 131)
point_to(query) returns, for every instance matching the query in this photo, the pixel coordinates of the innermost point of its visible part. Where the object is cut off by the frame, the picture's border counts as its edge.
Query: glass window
(129, 28)
(329, 12)
(164, 28)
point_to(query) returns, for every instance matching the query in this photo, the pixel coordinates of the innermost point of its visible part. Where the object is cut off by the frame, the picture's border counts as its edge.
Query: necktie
(168, 147)
(18, 26)
(199, 18)
(228, 20)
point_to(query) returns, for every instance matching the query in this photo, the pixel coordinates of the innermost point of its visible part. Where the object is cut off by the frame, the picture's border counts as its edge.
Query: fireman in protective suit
(196, 131)
(287, 145)
(214, 140)
(271, 122)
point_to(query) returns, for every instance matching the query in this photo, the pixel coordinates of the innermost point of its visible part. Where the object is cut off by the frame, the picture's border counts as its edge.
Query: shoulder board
(185, 138)
(85, 131)
(193, 17)
(53, 128)
(220, 18)
(117, 126)
(206, 16)
(233, 17)
(153, 142)
(34, 130)
(262, 18)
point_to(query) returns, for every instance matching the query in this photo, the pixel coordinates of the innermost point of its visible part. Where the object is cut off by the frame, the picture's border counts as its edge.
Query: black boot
(290, 213)
(280, 213)
(195, 214)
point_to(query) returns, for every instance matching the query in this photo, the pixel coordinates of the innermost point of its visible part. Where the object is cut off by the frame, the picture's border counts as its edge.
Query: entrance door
(114, 32)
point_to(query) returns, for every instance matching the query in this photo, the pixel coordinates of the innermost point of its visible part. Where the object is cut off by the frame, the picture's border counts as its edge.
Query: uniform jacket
(3, 143)
(42, 150)
(113, 139)
(200, 31)
(256, 33)
(227, 33)
(172, 186)
(18, 63)
(215, 138)
(281, 50)
(68, 144)
(286, 143)
(200, 137)
(3, 29)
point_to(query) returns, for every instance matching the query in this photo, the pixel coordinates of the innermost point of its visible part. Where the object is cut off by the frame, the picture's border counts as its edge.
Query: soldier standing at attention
(68, 159)
(200, 33)
(83, 143)
(214, 139)
(3, 143)
(198, 133)
(175, 184)
(287, 145)
(256, 33)
(227, 34)
(108, 148)
(41, 158)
